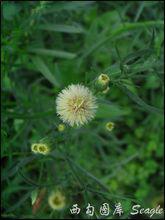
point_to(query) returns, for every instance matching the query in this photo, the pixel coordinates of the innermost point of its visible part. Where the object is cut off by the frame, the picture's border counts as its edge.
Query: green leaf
(52, 53)
(110, 111)
(29, 116)
(6, 82)
(159, 43)
(62, 28)
(10, 10)
(34, 195)
(128, 83)
(140, 102)
(20, 202)
(11, 171)
(120, 30)
(73, 5)
(43, 68)
(132, 57)
(88, 174)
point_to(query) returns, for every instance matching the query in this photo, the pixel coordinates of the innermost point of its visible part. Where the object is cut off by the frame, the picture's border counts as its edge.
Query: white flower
(76, 105)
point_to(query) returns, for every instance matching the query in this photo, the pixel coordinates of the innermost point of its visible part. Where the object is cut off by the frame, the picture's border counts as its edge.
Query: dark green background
(48, 45)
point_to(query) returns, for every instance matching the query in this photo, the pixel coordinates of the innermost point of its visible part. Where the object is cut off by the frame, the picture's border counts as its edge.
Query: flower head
(57, 200)
(103, 79)
(76, 105)
(110, 126)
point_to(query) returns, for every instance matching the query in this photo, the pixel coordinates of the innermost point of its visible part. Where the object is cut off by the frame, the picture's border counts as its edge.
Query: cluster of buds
(40, 148)
(102, 83)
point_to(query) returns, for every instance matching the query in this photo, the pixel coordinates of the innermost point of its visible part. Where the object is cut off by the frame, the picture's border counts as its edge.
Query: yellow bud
(43, 149)
(61, 127)
(110, 126)
(103, 79)
(105, 90)
(57, 200)
(34, 148)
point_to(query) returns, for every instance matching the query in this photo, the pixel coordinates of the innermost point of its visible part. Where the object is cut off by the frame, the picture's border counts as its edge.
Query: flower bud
(110, 126)
(61, 127)
(103, 80)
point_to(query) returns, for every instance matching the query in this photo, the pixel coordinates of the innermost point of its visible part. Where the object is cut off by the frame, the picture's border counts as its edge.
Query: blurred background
(48, 45)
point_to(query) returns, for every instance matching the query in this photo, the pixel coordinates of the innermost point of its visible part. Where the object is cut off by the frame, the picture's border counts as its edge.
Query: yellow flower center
(35, 147)
(110, 126)
(57, 200)
(104, 77)
(77, 104)
(42, 148)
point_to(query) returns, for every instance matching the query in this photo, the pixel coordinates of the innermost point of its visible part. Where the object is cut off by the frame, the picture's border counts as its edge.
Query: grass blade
(20, 202)
(62, 28)
(89, 174)
(52, 53)
(110, 111)
(140, 102)
(111, 195)
(43, 68)
(69, 6)
(127, 27)
(27, 116)
(14, 169)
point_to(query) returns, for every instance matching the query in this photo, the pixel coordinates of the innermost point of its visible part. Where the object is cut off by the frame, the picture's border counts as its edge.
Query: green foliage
(47, 45)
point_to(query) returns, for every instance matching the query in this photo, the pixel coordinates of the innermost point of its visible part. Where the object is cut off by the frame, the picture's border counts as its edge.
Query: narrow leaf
(62, 28)
(140, 102)
(43, 68)
(19, 203)
(120, 30)
(110, 110)
(34, 195)
(52, 53)
(72, 5)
